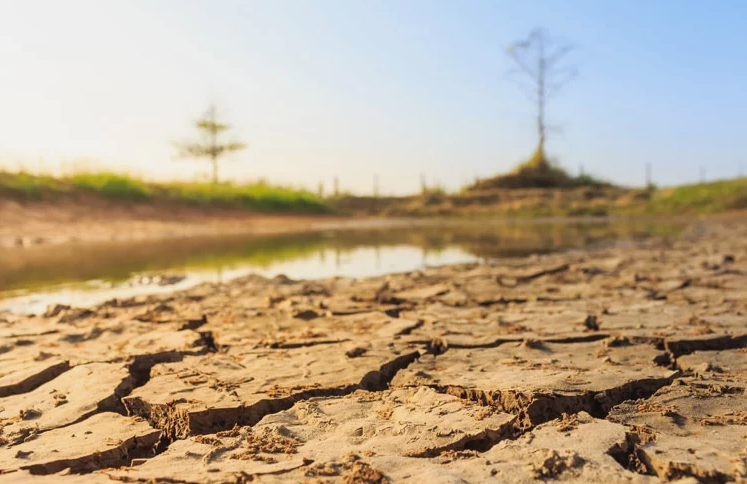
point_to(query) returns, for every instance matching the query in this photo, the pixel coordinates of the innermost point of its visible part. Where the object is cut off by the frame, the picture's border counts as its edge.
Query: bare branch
(558, 54)
(211, 126)
(235, 146)
(537, 35)
(563, 78)
(522, 64)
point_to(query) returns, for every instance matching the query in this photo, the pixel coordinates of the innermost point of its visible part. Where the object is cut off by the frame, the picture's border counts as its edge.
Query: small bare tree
(539, 69)
(209, 147)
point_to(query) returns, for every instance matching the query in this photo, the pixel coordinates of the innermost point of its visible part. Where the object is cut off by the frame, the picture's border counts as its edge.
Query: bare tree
(539, 69)
(209, 147)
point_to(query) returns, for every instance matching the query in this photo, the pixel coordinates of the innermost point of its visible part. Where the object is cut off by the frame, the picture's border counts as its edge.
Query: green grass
(259, 197)
(112, 186)
(701, 198)
(26, 186)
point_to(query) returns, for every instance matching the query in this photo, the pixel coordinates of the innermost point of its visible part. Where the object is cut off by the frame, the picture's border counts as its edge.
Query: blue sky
(353, 88)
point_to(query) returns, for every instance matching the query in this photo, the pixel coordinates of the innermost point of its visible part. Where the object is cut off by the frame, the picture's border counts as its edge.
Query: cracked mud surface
(541, 381)
(619, 365)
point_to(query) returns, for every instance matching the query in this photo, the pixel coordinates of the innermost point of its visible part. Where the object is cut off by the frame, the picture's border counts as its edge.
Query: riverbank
(75, 222)
(112, 208)
(596, 366)
(96, 207)
(24, 224)
(257, 197)
(527, 203)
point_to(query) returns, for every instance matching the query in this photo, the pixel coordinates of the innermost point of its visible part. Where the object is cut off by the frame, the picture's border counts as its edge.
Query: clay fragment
(67, 399)
(103, 440)
(691, 429)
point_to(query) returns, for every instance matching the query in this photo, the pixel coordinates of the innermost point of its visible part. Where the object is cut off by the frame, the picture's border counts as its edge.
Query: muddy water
(33, 278)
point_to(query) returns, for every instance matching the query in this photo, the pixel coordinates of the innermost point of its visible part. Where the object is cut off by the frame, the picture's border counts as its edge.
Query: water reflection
(85, 274)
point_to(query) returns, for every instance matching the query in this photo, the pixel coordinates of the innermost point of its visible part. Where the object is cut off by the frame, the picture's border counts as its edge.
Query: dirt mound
(536, 172)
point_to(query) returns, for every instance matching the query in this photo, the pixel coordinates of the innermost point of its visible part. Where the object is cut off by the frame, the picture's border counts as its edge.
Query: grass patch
(260, 197)
(713, 197)
(26, 186)
(112, 186)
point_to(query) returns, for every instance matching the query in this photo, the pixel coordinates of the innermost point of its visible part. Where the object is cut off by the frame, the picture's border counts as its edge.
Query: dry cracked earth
(617, 365)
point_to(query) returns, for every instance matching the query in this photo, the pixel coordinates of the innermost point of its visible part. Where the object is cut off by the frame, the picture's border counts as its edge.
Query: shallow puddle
(85, 274)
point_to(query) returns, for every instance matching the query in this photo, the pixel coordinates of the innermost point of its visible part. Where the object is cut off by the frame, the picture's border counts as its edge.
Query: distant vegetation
(259, 197)
(540, 71)
(537, 172)
(208, 146)
(589, 197)
(576, 198)
(712, 197)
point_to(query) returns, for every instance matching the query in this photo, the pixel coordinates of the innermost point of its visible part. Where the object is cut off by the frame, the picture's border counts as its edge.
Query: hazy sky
(351, 88)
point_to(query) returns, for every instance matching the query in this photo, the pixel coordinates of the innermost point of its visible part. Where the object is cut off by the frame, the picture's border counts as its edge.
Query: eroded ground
(624, 365)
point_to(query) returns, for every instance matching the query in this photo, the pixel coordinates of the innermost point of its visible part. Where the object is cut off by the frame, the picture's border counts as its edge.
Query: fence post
(648, 174)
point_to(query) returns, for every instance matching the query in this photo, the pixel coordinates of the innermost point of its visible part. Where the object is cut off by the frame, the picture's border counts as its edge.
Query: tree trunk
(214, 162)
(541, 70)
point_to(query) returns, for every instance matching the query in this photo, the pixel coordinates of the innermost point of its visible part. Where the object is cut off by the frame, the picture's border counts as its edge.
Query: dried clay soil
(619, 365)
